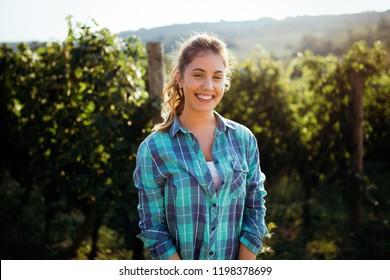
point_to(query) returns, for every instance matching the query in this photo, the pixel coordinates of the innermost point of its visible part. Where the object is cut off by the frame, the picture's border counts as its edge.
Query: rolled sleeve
(254, 227)
(162, 251)
(150, 183)
(252, 242)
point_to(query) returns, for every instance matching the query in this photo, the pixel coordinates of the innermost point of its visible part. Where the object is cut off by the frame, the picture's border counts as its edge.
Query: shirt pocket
(240, 171)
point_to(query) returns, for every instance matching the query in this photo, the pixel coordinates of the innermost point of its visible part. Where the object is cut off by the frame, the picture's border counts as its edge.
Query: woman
(201, 190)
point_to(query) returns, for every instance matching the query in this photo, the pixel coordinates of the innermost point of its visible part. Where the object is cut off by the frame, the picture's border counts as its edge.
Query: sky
(44, 20)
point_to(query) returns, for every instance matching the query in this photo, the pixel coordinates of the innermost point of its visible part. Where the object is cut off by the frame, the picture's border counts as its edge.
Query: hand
(245, 254)
(175, 256)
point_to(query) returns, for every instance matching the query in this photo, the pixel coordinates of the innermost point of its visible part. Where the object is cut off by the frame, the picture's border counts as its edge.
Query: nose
(208, 84)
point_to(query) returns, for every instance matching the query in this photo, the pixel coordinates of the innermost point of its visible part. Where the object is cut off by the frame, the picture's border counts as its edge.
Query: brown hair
(173, 95)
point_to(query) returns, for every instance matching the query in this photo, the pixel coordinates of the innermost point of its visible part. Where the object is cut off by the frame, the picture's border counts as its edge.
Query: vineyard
(72, 115)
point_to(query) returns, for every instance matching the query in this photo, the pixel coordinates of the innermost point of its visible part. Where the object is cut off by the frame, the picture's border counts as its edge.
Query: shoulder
(238, 129)
(154, 141)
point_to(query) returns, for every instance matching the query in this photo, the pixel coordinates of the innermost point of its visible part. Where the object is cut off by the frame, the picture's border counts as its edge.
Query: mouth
(204, 97)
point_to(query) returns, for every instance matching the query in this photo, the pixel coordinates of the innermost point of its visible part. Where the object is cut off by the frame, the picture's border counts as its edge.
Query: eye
(198, 75)
(218, 77)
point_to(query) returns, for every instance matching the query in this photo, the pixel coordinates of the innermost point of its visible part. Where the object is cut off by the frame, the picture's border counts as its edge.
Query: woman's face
(203, 83)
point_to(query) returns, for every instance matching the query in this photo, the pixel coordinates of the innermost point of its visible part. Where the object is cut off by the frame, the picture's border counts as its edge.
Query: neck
(198, 121)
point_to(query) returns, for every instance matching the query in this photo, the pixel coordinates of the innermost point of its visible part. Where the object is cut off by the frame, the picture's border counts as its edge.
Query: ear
(179, 79)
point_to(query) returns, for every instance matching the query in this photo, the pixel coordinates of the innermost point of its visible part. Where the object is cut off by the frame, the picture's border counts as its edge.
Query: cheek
(221, 89)
(192, 85)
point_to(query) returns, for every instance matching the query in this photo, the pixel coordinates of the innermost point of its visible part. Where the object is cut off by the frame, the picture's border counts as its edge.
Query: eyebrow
(202, 70)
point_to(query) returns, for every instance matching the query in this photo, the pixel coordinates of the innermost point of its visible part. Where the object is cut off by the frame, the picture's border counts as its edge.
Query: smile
(204, 97)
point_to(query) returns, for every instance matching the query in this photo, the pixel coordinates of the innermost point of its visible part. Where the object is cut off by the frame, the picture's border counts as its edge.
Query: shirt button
(214, 205)
(222, 182)
(211, 253)
(213, 228)
(217, 162)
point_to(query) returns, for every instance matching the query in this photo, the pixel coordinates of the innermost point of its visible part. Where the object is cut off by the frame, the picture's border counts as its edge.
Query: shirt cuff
(162, 251)
(252, 242)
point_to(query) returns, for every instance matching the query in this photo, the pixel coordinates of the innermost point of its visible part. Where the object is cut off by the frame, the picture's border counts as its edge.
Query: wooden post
(155, 72)
(155, 69)
(358, 81)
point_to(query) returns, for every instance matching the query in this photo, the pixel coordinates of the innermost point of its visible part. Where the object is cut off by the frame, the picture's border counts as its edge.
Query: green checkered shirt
(181, 209)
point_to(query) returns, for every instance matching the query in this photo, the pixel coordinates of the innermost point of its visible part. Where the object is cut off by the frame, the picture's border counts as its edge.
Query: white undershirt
(214, 173)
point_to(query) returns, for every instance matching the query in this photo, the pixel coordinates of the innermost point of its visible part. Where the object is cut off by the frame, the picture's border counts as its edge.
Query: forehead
(207, 61)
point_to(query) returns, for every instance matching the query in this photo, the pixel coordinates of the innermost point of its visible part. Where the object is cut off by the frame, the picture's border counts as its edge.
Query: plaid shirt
(181, 209)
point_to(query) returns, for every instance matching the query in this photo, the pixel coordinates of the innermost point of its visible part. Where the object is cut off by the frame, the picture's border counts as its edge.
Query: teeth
(204, 97)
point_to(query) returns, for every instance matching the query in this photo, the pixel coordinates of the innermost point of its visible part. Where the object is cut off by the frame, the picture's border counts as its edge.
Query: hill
(283, 38)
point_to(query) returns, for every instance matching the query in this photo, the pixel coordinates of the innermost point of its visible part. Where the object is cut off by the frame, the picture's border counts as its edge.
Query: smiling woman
(203, 68)
(202, 87)
(201, 189)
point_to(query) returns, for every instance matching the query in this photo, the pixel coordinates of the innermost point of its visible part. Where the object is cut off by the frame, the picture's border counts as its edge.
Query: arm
(254, 227)
(150, 183)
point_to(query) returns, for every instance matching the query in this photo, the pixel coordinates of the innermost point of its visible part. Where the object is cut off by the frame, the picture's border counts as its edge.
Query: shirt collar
(222, 125)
